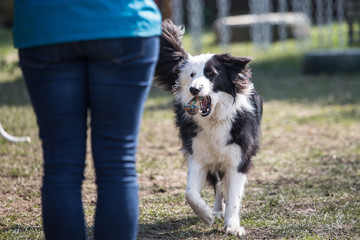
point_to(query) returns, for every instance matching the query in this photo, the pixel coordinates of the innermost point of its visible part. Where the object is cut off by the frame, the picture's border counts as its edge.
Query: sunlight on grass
(5, 43)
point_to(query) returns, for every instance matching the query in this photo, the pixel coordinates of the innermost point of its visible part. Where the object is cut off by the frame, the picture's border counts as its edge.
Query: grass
(306, 179)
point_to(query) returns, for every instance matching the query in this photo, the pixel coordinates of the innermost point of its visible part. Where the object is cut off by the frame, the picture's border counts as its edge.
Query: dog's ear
(237, 64)
(172, 56)
(238, 70)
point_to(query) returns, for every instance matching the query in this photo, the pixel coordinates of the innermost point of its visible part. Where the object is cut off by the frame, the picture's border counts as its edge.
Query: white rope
(11, 138)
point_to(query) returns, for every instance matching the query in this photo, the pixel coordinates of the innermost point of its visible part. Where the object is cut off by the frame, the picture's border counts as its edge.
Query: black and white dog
(220, 141)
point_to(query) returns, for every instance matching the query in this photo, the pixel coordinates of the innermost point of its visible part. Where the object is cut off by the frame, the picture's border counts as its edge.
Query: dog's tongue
(204, 102)
(205, 106)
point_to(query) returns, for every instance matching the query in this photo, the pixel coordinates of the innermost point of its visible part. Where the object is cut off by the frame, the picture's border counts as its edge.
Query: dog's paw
(204, 213)
(236, 231)
(219, 214)
(201, 209)
(233, 227)
(207, 217)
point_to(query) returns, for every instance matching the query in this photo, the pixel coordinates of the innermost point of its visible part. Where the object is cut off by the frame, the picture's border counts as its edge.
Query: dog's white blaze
(194, 66)
(203, 84)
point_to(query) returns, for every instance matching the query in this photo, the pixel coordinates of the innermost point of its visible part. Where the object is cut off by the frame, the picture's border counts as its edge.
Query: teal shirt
(41, 22)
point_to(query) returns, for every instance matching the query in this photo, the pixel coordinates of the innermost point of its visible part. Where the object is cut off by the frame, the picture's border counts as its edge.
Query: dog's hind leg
(196, 182)
(219, 205)
(234, 186)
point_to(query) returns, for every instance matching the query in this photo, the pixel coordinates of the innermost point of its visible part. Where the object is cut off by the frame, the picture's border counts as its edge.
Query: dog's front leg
(234, 184)
(196, 182)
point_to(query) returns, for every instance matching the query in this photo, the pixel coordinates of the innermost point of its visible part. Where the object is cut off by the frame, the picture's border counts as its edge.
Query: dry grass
(305, 183)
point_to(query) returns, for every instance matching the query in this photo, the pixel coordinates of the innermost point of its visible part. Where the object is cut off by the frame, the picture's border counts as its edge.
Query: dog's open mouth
(205, 106)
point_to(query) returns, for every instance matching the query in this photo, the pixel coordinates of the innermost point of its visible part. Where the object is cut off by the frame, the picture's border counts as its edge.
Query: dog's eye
(192, 75)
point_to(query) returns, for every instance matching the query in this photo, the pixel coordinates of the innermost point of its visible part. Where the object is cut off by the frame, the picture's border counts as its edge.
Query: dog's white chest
(211, 148)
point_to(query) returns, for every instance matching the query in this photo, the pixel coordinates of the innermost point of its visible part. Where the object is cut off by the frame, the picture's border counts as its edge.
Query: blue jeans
(111, 78)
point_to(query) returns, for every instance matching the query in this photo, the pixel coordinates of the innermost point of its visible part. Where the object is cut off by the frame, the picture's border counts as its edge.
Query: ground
(305, 182)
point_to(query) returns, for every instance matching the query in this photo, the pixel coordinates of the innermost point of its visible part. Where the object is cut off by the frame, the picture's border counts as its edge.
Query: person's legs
(56, 81)
(120, 75)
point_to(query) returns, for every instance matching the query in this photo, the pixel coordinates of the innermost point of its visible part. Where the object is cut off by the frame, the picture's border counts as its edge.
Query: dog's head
(216, 78)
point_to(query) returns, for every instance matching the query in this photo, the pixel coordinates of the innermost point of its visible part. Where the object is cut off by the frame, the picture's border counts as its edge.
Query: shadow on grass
(176, 229)
(193, 228)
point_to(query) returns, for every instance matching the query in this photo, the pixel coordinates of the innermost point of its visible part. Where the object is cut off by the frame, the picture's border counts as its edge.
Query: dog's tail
(172, 56)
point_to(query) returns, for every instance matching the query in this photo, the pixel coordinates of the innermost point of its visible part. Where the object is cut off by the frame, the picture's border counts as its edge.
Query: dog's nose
(194, 91)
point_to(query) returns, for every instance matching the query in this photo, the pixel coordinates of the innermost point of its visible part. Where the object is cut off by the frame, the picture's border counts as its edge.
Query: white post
(224, 30)
(340, 20)
(261, 32)
(329, 19)
(177, 12)
(196, 22)
(282, 7)
(320, 20)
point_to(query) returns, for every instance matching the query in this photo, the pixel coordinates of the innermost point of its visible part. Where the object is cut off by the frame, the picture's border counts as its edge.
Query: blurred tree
(6, 12)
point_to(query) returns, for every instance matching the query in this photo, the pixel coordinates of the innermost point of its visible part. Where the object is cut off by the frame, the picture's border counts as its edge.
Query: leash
(11, 138)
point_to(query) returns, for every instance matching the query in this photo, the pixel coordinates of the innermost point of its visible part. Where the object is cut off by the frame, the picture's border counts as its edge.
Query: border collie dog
(220, 141)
